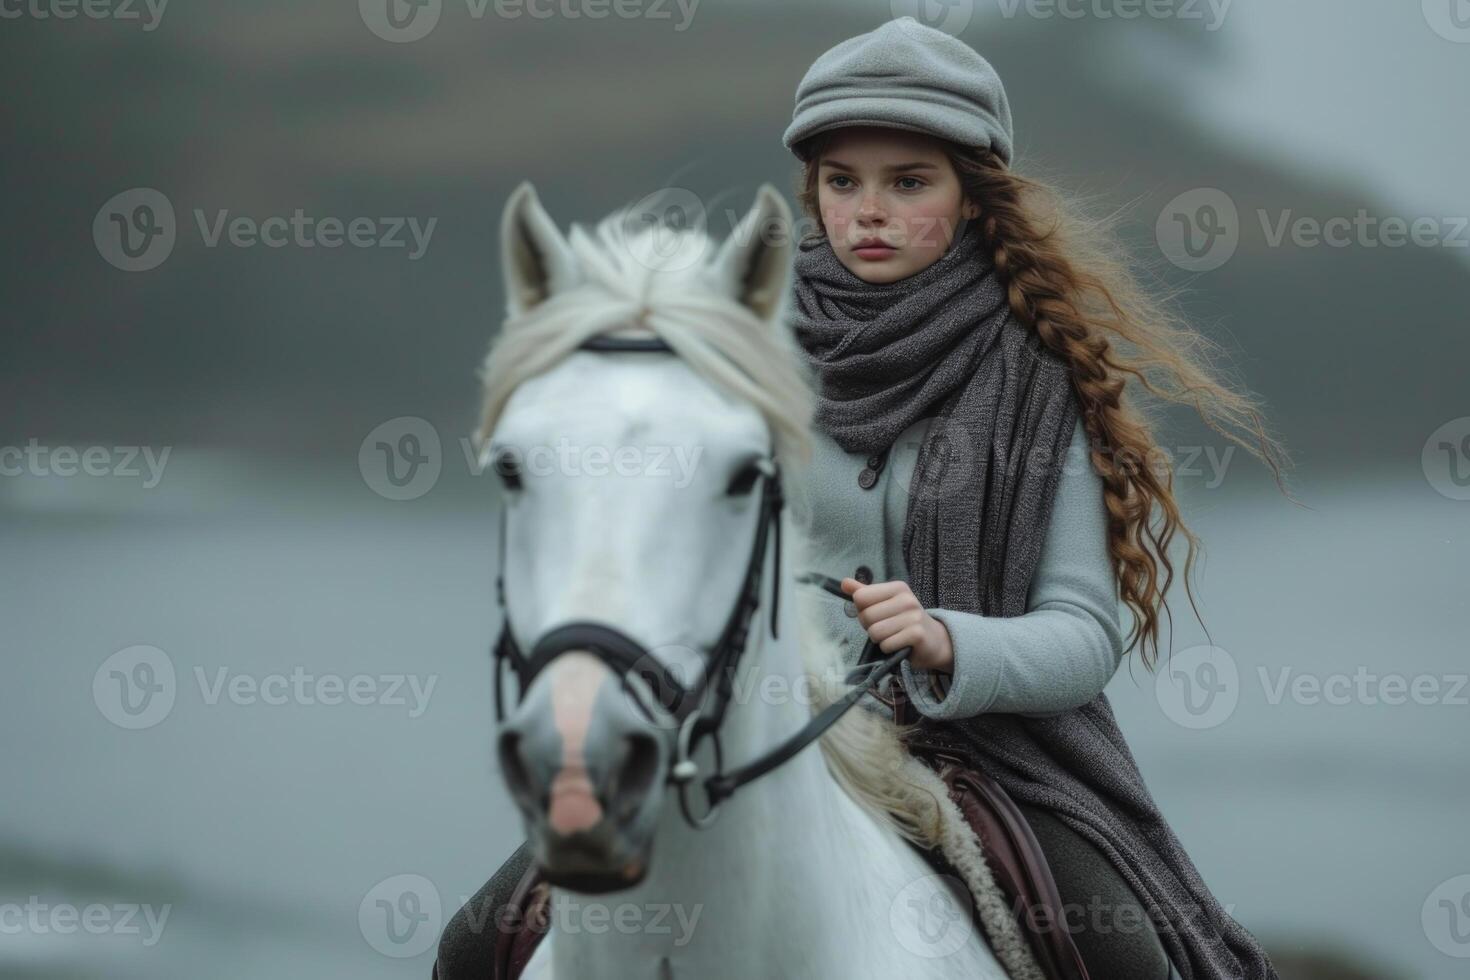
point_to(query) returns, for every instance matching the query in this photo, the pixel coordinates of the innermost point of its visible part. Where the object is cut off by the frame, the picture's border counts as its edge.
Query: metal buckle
(685, 771)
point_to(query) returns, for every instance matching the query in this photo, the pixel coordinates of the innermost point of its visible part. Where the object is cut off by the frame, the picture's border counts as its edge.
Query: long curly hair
(1070, 278)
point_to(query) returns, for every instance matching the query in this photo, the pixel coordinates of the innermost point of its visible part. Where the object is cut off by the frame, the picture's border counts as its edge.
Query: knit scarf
(943, 342)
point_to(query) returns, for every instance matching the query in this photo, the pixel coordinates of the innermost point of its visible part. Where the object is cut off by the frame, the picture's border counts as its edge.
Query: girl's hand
(894, 619)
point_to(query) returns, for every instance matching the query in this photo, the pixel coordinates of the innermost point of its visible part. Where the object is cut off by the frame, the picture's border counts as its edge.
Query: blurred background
(245, 701)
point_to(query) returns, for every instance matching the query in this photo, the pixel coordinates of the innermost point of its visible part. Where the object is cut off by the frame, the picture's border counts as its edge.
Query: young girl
(982, 477)
(981, 474)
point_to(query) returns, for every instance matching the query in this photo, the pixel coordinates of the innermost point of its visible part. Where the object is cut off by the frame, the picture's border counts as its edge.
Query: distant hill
(1360, 353)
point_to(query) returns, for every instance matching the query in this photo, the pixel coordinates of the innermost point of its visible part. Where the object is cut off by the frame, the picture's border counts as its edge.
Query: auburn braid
(1069, 278)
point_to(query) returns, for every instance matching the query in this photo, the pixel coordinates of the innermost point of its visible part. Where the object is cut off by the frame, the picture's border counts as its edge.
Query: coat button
(875, 461)
(867, 478)
(849, 609)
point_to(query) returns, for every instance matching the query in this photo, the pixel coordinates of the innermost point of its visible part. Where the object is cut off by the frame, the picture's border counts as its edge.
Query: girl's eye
(917, 183)
(832, 181)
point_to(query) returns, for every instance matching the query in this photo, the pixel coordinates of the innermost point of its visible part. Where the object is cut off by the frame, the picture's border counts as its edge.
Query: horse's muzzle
(587, 769)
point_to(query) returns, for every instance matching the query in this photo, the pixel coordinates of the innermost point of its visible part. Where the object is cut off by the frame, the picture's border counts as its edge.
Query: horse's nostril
(513, 768)
(636, 774)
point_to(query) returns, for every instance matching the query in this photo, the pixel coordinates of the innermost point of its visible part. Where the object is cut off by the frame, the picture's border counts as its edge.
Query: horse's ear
(754, 263)
(535, 259)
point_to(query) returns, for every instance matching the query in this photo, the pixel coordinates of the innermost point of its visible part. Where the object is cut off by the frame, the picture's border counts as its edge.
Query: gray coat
(1057, 656)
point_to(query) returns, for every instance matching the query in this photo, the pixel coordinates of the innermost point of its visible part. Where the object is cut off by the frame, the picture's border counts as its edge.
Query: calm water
(263, 828)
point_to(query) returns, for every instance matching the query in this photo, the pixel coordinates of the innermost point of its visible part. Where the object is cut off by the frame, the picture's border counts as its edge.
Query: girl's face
(890, 199)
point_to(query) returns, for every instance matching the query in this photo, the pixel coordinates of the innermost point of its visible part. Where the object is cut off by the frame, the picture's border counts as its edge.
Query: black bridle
(642, 674)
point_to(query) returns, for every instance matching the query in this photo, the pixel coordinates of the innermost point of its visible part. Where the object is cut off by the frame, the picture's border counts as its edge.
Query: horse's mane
(654, 281)
(636, 280)
(864, 750)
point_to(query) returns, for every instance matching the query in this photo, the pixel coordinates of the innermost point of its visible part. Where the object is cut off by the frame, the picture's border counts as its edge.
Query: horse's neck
(791, 862)
(786, 819)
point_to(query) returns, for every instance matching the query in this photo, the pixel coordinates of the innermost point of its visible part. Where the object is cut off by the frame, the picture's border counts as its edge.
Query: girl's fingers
(876, 592)
(887, 608)
(885, 629)
(907, 636)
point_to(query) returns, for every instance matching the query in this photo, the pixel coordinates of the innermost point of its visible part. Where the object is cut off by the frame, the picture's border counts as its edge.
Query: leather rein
(642, 674)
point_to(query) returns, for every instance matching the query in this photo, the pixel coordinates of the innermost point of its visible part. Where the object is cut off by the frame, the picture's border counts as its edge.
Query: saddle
(1011, 850)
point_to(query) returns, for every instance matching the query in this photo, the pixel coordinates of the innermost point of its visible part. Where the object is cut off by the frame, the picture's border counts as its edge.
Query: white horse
(632, 490)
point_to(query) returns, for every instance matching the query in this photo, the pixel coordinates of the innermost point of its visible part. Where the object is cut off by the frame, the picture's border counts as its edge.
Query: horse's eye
(744, 481)
(508, 470)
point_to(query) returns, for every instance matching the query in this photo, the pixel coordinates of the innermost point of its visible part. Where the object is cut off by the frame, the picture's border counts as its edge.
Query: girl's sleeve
(1064, 649)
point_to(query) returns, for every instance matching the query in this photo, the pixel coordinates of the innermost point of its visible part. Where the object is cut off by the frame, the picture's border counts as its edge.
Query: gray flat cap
(904, 75)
